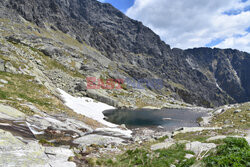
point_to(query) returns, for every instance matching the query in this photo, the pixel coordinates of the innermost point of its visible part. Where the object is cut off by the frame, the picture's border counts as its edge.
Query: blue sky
(187, 24)
(122, 5)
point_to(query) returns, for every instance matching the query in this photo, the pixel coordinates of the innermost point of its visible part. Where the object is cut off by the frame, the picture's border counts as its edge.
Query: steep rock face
(202, 76)
(230, 69)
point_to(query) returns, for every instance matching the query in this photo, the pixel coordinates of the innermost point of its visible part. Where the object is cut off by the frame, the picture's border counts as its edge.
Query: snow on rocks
(87, 107)
(92, 109)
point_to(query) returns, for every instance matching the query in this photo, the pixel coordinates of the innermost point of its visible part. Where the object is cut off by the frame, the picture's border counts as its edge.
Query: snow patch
(91, 109)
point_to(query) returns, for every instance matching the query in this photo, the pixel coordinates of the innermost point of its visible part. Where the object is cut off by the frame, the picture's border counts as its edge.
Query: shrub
(234, 152)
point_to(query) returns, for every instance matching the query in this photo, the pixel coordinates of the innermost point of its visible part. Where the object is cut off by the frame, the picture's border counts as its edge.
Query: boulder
(216, 138)
(164, 145)
(9, 68)
(17, 153)
(81, 86)
(98, 140)
(227, 122)
(7, 112)
(219, 111)
(50, 51)
(237, 111)
(188, 156)
(3, 81)
(198, 147)
(2, 67)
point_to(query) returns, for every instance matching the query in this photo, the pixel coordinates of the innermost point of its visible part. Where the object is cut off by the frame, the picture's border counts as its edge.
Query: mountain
(90, 38)
(49, 116)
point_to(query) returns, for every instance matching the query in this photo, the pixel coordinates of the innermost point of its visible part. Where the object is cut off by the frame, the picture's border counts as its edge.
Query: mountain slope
(103, 42)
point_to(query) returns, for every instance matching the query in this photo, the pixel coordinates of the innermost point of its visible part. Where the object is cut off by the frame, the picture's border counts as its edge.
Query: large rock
(51, 51)
(198, 147)
(220, 137)
(16, 153)
(7, 112)
(10, 68)
(3, 81)
(98, 140)
(164, 145)
(2, 67)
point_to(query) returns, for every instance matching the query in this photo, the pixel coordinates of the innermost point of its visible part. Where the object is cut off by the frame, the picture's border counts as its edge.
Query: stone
(206, 120)
(9, 68)
(227, 122)
(217, 112)
(81, 86)
(2, 67)
(160, 127)
(17, 153)
(7, 112)
(243, 120)
(237, 111)
(219, 137)
(198, 147)
(98, 140)
(164, 145)
(1, 86)
(115, 132)
(51, 51)
(123, 126)
(188, 156)
(3, 81)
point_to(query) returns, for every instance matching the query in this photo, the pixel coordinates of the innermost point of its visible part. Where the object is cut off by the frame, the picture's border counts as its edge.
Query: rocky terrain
(97, 40)
(46, 45)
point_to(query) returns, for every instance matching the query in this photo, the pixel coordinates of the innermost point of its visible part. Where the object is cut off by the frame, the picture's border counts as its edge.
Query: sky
(193, 23)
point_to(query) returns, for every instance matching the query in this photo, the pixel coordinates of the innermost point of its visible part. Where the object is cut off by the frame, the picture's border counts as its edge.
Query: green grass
(235, 118)
(45, 142)
(193, 136)
(24, 87)
(162, 139)
(142, 157)
(234, 152)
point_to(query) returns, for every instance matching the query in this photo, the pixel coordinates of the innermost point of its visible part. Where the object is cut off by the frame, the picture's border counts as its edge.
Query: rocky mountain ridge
(51, 44)
(203, 76)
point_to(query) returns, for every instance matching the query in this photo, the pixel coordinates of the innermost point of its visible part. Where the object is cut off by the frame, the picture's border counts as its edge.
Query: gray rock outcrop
(2, 66)
(16, 153)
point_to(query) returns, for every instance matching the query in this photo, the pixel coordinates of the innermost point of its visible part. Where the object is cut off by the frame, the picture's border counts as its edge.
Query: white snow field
(91, 109)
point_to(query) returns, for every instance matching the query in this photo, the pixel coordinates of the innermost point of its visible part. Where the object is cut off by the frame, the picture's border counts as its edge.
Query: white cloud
(195, 23)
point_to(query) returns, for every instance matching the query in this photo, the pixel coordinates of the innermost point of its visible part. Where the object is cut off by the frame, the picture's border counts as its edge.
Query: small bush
(45, 142)
(235, 152)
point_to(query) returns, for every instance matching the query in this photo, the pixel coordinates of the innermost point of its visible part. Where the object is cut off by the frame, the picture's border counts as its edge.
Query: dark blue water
(167, 118)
